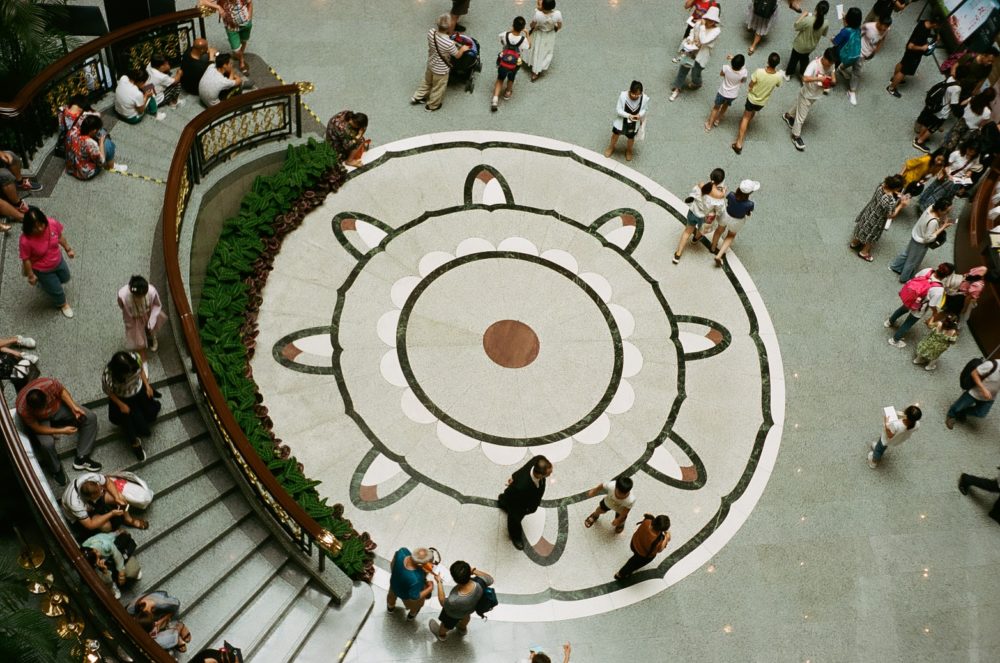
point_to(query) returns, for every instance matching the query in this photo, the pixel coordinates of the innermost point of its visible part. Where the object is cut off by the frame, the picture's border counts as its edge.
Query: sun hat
(749, 186)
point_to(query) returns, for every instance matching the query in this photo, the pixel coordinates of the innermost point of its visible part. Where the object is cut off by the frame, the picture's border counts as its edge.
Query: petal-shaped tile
(519, 245)
(402, 288)
(562, 258)
(359, 233)
(677, 464)
(623, 399)
(414, 409)
(503, 455)
(486, 186)
(600, 285)
(471, 245)
(546, 532)
(623, 318)
(379, 481)
(454, 440)
(386, 327)
(621, 237)
(621, 227)
(702, 338)
(391, 370)
(306, 351)
(631, 361)
(556, 452)
(596, 432)
(432, 261)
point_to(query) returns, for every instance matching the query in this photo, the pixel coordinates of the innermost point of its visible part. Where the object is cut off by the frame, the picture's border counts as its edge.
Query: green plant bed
(227, 318)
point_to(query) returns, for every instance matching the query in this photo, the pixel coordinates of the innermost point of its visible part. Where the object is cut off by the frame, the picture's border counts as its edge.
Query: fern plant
(26, 635)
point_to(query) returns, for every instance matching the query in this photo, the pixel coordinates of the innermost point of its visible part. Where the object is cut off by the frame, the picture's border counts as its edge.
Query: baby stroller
(464, 69)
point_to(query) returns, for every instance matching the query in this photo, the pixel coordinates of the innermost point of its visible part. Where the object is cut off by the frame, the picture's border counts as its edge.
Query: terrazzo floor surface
(835, 562)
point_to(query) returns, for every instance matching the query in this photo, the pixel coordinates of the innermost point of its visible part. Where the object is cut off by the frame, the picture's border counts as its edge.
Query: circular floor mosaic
(471, 299)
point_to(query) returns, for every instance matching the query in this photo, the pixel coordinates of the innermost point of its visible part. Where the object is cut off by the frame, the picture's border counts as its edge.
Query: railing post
(298, 115)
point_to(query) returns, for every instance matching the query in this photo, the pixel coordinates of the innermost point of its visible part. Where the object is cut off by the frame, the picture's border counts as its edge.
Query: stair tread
(179, 505)
(180, 464)
(112, 450)
(337, 628)
(294, 627)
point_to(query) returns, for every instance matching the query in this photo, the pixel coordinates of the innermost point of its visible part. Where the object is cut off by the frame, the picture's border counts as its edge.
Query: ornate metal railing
(971, 247)
(123, 635)
(214, 135)
(92, 70)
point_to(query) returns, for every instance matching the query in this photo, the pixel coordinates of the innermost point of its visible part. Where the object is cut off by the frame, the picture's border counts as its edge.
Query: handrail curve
(969, 253)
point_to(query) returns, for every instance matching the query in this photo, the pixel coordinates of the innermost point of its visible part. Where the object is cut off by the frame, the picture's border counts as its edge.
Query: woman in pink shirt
(41, 256)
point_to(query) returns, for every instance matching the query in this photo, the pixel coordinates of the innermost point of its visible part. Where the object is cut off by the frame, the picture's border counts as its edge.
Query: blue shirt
(403, 582)
(737, 209)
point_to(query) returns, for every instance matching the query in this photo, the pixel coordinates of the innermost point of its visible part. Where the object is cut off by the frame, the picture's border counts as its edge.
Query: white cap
(712, 14)
(749, 186)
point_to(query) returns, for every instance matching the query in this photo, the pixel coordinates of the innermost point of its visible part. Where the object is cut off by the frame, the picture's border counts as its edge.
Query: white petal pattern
(596, 432)
(432, 261)
(454, 440)
(518, 244)
(472, 245)
(387, 327)
(414, 409)
(390, 369)
(402, 288)
(503, 455)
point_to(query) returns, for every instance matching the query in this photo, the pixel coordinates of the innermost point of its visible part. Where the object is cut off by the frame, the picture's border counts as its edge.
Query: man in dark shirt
(523, 495)
(920, 43)
(885, 8)
(972, 69)
(196, 60)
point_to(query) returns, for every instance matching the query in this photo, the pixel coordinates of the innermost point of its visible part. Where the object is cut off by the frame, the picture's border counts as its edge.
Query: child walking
(618, 498)
(733, 75)
(509, 60)
(896, 429)
(944, 334)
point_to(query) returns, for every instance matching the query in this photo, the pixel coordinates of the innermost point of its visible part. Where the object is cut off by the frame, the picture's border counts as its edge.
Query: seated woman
(133, 400)
(109, 563)
(155, 612)
(89, 148)
(98, 503)
(345, 132)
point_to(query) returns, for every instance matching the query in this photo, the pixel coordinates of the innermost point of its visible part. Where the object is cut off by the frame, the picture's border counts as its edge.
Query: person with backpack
(928, 231)
(818, 78)
(697, 48)
(981, 380)
(471, 593)
(509, 59)
(763, 83)
(809, 29)
(921, 43)
(939, 102)
(873, 36)
(760, 17)
(989, 485)
(847, 42)
(924, 292)
(975, 116)
(896, 429)
(630, 114)
(873, 218)
(649, 540)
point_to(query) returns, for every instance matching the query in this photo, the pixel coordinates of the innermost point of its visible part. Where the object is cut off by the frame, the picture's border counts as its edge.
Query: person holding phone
(48, 410)
(408, 580)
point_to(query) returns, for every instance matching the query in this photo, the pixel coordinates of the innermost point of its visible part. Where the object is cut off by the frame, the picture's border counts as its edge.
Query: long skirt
(543, 46)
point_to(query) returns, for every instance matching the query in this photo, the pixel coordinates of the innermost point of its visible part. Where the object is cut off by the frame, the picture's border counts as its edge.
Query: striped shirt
(438, 45)
(128, 387)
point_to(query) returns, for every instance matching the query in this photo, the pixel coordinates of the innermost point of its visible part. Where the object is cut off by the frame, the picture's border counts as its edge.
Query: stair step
(254, 622)
(166, 555)
(296, 624)
(209, 617)
(338, 628)
(171, 424)
(185, 502)
(184, 461)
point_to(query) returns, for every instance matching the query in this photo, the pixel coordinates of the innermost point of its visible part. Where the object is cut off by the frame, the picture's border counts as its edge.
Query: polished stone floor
(831, 561)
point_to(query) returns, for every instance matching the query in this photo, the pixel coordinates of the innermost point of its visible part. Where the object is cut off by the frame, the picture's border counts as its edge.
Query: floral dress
(934, 344)
(341, 136)
(870, 223)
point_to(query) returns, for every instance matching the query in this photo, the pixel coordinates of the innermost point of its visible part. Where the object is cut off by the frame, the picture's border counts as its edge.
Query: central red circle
(510, 343)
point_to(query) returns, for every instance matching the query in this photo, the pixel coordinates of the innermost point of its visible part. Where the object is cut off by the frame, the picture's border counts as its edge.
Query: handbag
(126, 545)
(938, 240)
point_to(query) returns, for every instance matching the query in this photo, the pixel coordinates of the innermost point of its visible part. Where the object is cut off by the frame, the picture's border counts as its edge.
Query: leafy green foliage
(26, 635)
(225, 309)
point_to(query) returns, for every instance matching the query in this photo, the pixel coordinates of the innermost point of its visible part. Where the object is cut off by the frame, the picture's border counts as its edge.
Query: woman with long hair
(705, 202)
(809, 29)
(133, 405)
(41, 249)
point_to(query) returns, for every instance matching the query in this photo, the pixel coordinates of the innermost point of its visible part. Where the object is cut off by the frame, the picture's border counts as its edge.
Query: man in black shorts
(920, 43)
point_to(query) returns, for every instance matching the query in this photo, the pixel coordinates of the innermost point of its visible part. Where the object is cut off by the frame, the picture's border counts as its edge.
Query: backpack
(965, 377)
(914, 292)
(510, 56)
(850, 50)
(19, 372)
(934, 99)
(488, 600)
(764, 8)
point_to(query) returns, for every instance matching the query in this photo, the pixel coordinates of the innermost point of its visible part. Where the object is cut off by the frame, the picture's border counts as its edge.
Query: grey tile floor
(837, 562)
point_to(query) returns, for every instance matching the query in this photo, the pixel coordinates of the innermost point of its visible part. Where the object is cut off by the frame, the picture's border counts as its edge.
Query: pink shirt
(43, 250)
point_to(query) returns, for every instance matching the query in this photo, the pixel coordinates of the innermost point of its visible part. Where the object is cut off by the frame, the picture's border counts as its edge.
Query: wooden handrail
(969, 253)
(54, 522)
(188, 320)
(16, 107)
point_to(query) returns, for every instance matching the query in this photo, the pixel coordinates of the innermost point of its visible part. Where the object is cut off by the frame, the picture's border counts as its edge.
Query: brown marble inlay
(348, 224)
(689, 473)
(290, 352)
(510, 343)
(628, 220)
(714, 335)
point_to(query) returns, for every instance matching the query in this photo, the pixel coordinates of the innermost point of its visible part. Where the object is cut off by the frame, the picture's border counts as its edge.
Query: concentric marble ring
(382, 305)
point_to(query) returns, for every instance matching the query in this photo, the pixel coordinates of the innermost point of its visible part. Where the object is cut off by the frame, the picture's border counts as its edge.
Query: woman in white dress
(544, 25)
(630, 114)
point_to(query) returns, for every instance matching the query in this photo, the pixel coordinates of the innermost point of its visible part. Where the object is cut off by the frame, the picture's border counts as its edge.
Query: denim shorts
(720, 100)
(694, 220)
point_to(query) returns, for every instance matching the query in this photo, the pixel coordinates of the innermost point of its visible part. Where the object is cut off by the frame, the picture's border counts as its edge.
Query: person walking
(697, 49)
(760, 17)
(896, 429)
(441, 50)
(762, 84)
(509, 59)
(133, 405)
(523, 495)
(733, 74)
(809, 29)
(923, 293)
(536, 655)
(237, 17)
(546, 22)
(817, 79)
(977, 399)
(630, 114)
(618, 497)
(142, 313)
(706, 201)
(408, 580)
(989, 485)
(872, 38)
(944, 334)
(874, 217)
(649, 540)
(922, 42)
(457, 608)
(738, 209)
(48, 410)
(931, 225)
(459, 8)
(40, 249)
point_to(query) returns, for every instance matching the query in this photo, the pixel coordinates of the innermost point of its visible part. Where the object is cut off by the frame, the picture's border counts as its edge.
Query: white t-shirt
(212, 84)
(614, 503)
(992, 382)
(160, 81)
(870, 38)
(961, 167)
(128, 96)
(952, 95)
(974, 120)
(706, 37)
(814, 89)
(731, 81)
(900, 433)
(73, 505)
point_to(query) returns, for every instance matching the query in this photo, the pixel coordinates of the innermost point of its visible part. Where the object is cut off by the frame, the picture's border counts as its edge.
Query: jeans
(51, 282)
(878, 450)
(688, 64)
(109, 149)
(907, 263)
(907, 324)
(966, 405)
(86, 435)
(935, 191)
(852, 73)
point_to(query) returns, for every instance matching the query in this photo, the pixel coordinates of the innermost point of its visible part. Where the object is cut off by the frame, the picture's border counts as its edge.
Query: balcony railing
(971, 250)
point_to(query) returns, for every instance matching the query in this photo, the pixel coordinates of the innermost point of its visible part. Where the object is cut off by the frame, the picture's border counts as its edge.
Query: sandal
(619, 528)
(855, 246)
(589, 522)
(245, 68)
(868, 258)
(738, 150)
(4, 227)
(718, 261)
(139, 523)
(677, 258)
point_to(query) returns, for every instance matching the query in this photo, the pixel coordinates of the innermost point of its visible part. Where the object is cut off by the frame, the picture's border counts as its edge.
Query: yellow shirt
(762, 84)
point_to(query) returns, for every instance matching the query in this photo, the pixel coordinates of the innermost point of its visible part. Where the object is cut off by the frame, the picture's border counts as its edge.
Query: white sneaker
(138, 576)
(180, 102)
(887, 324)
(120, 168)
(872, 463)
(160, 117)
(916, 360)
(32, 359)
(852, 96)
(675, 94)
(786, 76)
(931, 366)
(67, 311)
(26, 342)
(897, 344)
(117, 592)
